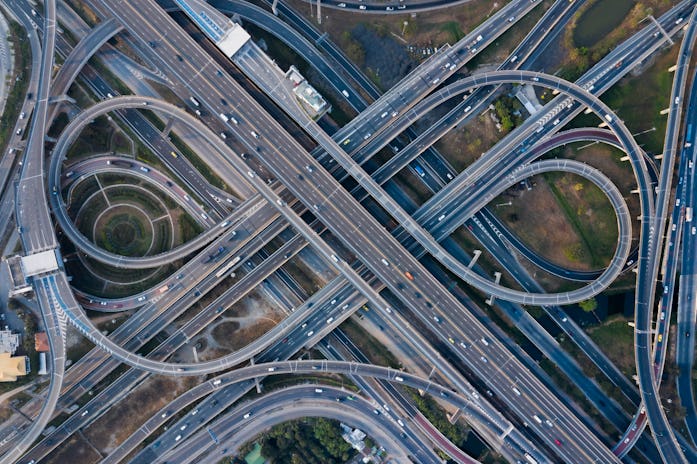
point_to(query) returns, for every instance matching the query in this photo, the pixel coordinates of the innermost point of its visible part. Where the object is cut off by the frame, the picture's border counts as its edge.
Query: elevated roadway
(245, 420)
(71, 132)
(270, 148)
(31, 213)
(82, 52)
(652, 236)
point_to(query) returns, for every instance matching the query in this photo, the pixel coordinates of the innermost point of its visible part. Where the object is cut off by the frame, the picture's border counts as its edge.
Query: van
(318, 390)
(335, 259)
(345, 93)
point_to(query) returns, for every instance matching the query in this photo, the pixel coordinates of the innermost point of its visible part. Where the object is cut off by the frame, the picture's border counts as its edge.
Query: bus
(227, 267)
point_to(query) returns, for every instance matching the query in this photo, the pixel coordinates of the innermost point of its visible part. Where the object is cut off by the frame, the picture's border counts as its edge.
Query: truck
(688, 214)
(216, 255)
(224, 117)
(227, 267)
(530, 459)
(163, 289)
(194, 101)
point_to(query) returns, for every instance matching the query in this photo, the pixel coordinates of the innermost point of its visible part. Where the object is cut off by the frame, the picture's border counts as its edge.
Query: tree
(589, 305)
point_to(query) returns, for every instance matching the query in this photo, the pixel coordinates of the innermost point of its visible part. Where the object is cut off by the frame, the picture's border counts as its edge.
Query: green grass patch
(616, 339)
(639, 101)
(375, 351)
(19, 81)
(94, 138)
(573, 218)
(454, 30)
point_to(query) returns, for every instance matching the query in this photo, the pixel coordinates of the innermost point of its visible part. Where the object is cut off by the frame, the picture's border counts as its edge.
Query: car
(309, 168)
(557, 442)
(103, 303)
(376, 412)
(341, 5)
(177, 438)
(310, 333)
(330, 320)
(183, 427)
(362, 7)
(174, 154)
(248, 415)
(141, 298)
(484, 360)
(401, 7)
(687, 334)
(451, 340)
(22, 115)
(511, 19)
(389, 8)
(437, 319)
(19, 131)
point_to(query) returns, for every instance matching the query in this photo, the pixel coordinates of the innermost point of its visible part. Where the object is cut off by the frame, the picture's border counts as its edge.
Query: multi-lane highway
(419, 294)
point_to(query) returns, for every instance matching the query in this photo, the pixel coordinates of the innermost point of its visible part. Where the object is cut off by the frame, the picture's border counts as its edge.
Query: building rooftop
(38, 263)
(233, 40)
(8, 341)
(12, 367)
(41, 342)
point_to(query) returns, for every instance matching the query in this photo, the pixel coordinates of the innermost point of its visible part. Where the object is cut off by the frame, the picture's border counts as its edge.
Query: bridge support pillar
(256, 379)
(452, 418)
(497, 279)
(477, 253)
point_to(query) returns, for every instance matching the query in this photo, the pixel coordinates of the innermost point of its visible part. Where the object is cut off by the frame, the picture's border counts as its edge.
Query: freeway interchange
(284, 189)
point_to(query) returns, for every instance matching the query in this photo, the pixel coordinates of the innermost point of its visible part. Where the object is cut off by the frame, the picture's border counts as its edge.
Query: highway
(332, 215)
(367, 224)
(37, 235)
(652, 235)
(245, 421)
(686, 240)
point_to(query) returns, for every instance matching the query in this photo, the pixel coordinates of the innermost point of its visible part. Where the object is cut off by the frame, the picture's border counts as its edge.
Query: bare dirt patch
(122, 419)
(540, 222)
(75, 451)
(464, 145)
